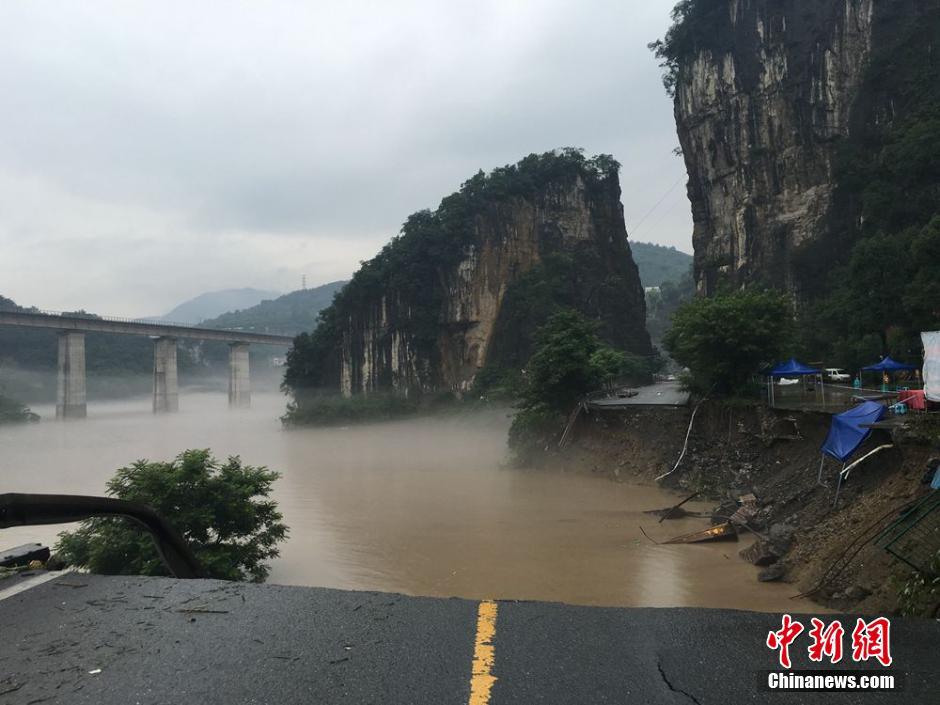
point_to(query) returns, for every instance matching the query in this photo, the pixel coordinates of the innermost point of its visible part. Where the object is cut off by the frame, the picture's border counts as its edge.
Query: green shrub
(222, 511)
(495, 383)
(569, 362)
(333, 409)
(12, 411)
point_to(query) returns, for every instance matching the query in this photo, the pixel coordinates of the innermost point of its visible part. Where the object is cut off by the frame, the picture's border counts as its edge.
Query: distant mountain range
(215, 303)
(659, 264)
(289, 314)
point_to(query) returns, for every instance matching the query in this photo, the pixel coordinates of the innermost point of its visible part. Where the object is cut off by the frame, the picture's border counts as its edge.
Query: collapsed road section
(81, 638)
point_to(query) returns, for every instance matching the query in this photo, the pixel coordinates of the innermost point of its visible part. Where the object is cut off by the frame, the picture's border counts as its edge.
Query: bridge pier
(239, 382)
(70, 389)
(165, 388)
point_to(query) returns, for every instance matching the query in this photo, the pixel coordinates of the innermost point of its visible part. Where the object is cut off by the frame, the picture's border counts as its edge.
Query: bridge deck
(96, 324)
(92, 639)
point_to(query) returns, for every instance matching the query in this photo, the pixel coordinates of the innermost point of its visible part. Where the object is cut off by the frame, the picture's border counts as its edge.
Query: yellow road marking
(484, 654)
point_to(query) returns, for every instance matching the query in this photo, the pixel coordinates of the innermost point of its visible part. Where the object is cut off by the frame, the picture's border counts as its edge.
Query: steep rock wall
(424, 316)
(763, 102)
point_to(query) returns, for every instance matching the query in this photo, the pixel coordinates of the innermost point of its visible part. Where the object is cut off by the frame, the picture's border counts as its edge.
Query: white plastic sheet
(931, 364)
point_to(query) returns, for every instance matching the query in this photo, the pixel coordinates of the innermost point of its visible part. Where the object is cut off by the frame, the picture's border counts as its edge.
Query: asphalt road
(169, 641)
(659, 394)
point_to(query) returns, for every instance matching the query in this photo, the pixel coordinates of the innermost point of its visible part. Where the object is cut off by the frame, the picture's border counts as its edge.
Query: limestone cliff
(464, 286)
(767, 95)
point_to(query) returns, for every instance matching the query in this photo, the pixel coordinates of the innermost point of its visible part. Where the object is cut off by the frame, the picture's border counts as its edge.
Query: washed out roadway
(102, 640)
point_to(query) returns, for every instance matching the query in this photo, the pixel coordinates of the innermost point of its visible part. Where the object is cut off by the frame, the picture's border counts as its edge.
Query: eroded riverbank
(423, 507)
(735, 450)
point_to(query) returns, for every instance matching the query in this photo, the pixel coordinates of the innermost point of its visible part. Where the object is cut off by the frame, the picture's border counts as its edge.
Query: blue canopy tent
(889, 365)
(791, 368)
(847, 433)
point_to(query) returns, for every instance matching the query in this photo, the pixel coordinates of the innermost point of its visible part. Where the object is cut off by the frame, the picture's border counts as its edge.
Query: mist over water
(424, 507)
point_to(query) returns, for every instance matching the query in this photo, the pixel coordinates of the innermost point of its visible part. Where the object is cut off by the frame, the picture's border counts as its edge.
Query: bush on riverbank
(333, 410)
(222, 511)
(570, 360)
(12, 411)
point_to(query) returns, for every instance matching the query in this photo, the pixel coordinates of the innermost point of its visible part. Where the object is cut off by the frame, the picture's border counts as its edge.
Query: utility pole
(303, 282)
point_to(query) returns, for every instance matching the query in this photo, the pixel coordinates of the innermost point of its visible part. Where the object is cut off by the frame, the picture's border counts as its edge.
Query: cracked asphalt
(94, 639)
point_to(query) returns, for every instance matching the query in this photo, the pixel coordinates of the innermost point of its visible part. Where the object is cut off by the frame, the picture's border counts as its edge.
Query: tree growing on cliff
(725, 339)
(222, 510)
(694, 23)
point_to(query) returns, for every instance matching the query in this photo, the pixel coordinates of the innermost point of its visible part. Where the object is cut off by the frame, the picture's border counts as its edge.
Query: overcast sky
(153, 151)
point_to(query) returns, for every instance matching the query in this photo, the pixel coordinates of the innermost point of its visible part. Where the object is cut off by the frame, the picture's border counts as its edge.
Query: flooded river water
(424, 507)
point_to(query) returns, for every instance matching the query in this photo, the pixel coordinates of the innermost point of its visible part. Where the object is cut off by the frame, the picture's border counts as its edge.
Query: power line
(635, 229)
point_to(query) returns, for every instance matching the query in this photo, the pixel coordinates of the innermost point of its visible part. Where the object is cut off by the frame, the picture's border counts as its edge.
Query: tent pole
(838, 487)
(822, 459)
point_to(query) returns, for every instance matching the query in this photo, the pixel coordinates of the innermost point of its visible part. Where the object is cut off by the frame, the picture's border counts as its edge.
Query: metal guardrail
(120, 319)
(914, 537)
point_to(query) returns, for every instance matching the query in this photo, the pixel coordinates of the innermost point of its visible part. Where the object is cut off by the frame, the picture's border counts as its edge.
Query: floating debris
(722, 532)
(676, 511)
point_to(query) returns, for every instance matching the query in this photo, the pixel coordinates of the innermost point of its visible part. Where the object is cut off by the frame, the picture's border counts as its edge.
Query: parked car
(836, 374)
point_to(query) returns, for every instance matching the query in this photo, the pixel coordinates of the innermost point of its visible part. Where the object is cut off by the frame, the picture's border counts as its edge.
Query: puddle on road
(421, 507)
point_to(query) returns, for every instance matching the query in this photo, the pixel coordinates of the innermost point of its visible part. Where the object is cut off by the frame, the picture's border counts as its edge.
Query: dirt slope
(736, 450)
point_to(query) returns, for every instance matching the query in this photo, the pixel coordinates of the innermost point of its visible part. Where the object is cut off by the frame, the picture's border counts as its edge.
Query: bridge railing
(144, 321)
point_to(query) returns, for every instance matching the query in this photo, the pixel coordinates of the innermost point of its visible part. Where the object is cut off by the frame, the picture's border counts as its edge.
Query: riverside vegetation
(221, 509)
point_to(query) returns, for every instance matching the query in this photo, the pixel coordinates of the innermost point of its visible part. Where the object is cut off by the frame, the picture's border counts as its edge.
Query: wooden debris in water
(722, 532)
(675, 512)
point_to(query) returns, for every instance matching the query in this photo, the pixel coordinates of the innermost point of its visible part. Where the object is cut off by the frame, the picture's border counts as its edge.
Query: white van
(836, 374)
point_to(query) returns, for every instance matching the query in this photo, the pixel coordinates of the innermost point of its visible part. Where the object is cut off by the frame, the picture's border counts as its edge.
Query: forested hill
(659, 264)
(217, 303)
(465, 286)
(289, 314)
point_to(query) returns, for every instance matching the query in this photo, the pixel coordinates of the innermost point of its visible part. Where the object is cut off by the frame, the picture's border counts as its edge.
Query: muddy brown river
(421, 507)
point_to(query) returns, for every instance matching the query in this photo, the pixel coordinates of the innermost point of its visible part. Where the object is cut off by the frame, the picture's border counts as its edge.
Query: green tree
(608, 364)
(922, 296)
(725, 339)
(570, 360)
(870, 298)
(563, 368)
(221, 509)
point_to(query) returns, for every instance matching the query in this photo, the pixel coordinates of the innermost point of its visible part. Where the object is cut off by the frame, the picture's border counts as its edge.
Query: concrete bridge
(71, 327)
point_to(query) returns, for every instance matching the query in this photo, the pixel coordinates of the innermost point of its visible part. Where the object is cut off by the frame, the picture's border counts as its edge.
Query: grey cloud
(242, 143)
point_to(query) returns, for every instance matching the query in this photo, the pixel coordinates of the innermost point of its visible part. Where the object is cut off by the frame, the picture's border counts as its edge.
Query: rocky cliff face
(766, 95)
(424, 315)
